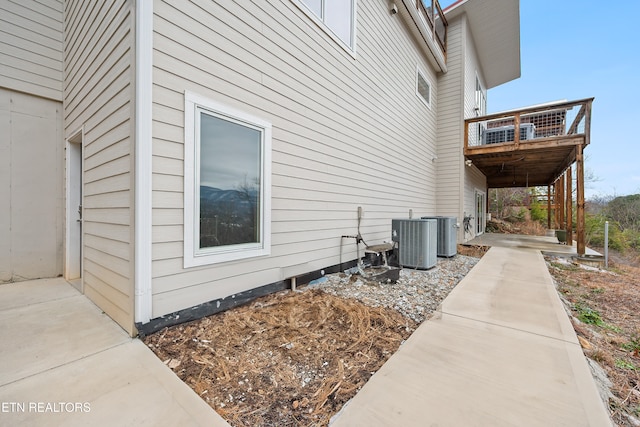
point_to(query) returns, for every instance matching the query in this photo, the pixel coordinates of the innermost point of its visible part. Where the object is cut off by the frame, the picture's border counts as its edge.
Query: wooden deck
(537, 161)
(535, 147)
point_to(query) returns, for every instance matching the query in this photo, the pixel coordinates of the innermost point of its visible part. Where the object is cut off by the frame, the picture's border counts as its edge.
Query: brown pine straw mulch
(288, 359)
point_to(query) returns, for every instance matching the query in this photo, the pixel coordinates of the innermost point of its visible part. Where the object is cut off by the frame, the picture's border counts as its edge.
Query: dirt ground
(606, 309)
(288, 359)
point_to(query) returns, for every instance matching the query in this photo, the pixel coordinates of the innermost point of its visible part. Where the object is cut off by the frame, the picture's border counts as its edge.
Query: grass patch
(588, 315)
(632, 345)
(565, 267)
(612, 328)
(623, 364)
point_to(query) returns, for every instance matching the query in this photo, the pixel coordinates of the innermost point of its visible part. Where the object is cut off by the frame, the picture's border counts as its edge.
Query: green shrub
(538, 213)
(594, 232)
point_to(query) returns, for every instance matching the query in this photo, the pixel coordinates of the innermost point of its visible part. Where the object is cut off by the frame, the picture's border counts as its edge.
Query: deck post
(580, 200)
(561, 218)
(569, 207)
(556, 211)
(549, 206)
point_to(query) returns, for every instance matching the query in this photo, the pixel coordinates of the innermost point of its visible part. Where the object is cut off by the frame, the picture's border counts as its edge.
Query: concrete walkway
(500, 352)
(65, 363)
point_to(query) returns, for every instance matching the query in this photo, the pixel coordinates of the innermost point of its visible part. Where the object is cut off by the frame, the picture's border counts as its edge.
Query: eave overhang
(495, 27)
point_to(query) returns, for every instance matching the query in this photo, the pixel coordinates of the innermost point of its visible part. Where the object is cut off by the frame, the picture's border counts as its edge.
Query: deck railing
(549, 121)
(435, 20)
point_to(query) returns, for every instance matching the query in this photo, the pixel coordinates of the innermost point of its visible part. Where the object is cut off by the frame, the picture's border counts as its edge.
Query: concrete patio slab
(123, 386)
(64, 363)
(546, 244)
(21, 294)
(46, 334)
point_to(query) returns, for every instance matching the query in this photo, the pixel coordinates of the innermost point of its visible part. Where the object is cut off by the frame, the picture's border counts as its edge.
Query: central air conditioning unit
(447, 235)
(417, 242)
(506, 133)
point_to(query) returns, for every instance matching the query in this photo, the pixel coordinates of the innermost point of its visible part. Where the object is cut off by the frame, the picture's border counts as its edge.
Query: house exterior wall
(347, 132)
(450, 164)
(31, 149)
(31, 47)
(98, 99)
(31, 183)
(456, 182)
(474, 180)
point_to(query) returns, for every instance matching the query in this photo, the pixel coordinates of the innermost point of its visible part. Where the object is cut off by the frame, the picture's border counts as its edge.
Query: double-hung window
(227, 183)
(338, 16)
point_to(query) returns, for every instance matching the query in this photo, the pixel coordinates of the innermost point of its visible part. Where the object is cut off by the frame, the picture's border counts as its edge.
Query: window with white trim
(423, 88)
(227, 183)
(337, 16)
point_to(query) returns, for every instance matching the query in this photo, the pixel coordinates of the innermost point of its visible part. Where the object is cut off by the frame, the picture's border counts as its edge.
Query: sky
(229, 153)
(576, 49)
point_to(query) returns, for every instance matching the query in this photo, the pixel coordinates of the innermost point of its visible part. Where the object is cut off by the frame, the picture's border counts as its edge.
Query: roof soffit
(495, 28)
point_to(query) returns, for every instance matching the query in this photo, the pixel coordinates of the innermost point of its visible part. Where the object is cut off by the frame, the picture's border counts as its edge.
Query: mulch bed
(288, 359)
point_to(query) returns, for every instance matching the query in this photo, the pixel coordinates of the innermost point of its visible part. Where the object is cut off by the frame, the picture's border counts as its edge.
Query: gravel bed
(417, 294)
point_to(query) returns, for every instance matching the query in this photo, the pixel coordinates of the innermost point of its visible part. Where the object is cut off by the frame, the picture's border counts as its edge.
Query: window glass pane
(315, 6)
(230, 164)
(424, 89)
(339, 18)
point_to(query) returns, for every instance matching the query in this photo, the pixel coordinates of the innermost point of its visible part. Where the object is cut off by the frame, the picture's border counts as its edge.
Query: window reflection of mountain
(228, 217)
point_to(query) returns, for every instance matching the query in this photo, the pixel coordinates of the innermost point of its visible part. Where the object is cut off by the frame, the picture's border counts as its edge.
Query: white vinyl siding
(474, 181)
(346, 133)
(98, 93)
(450, 162)
(336, 17)
(31, 43)
(456, 181)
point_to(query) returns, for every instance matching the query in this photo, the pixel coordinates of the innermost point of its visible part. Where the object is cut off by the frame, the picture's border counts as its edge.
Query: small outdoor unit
(417, 242)
(506, 133)
(447, 235)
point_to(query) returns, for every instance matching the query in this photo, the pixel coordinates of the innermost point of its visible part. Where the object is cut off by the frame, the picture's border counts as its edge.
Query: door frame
(73, 252)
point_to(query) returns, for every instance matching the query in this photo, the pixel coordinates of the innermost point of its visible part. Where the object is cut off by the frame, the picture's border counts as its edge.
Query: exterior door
(73, 256)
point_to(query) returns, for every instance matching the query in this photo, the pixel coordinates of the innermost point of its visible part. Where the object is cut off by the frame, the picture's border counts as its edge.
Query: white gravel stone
(417, 294)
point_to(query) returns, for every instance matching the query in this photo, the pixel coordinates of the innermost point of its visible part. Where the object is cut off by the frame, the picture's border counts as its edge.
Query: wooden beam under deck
(535, 145)
(530, 163)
